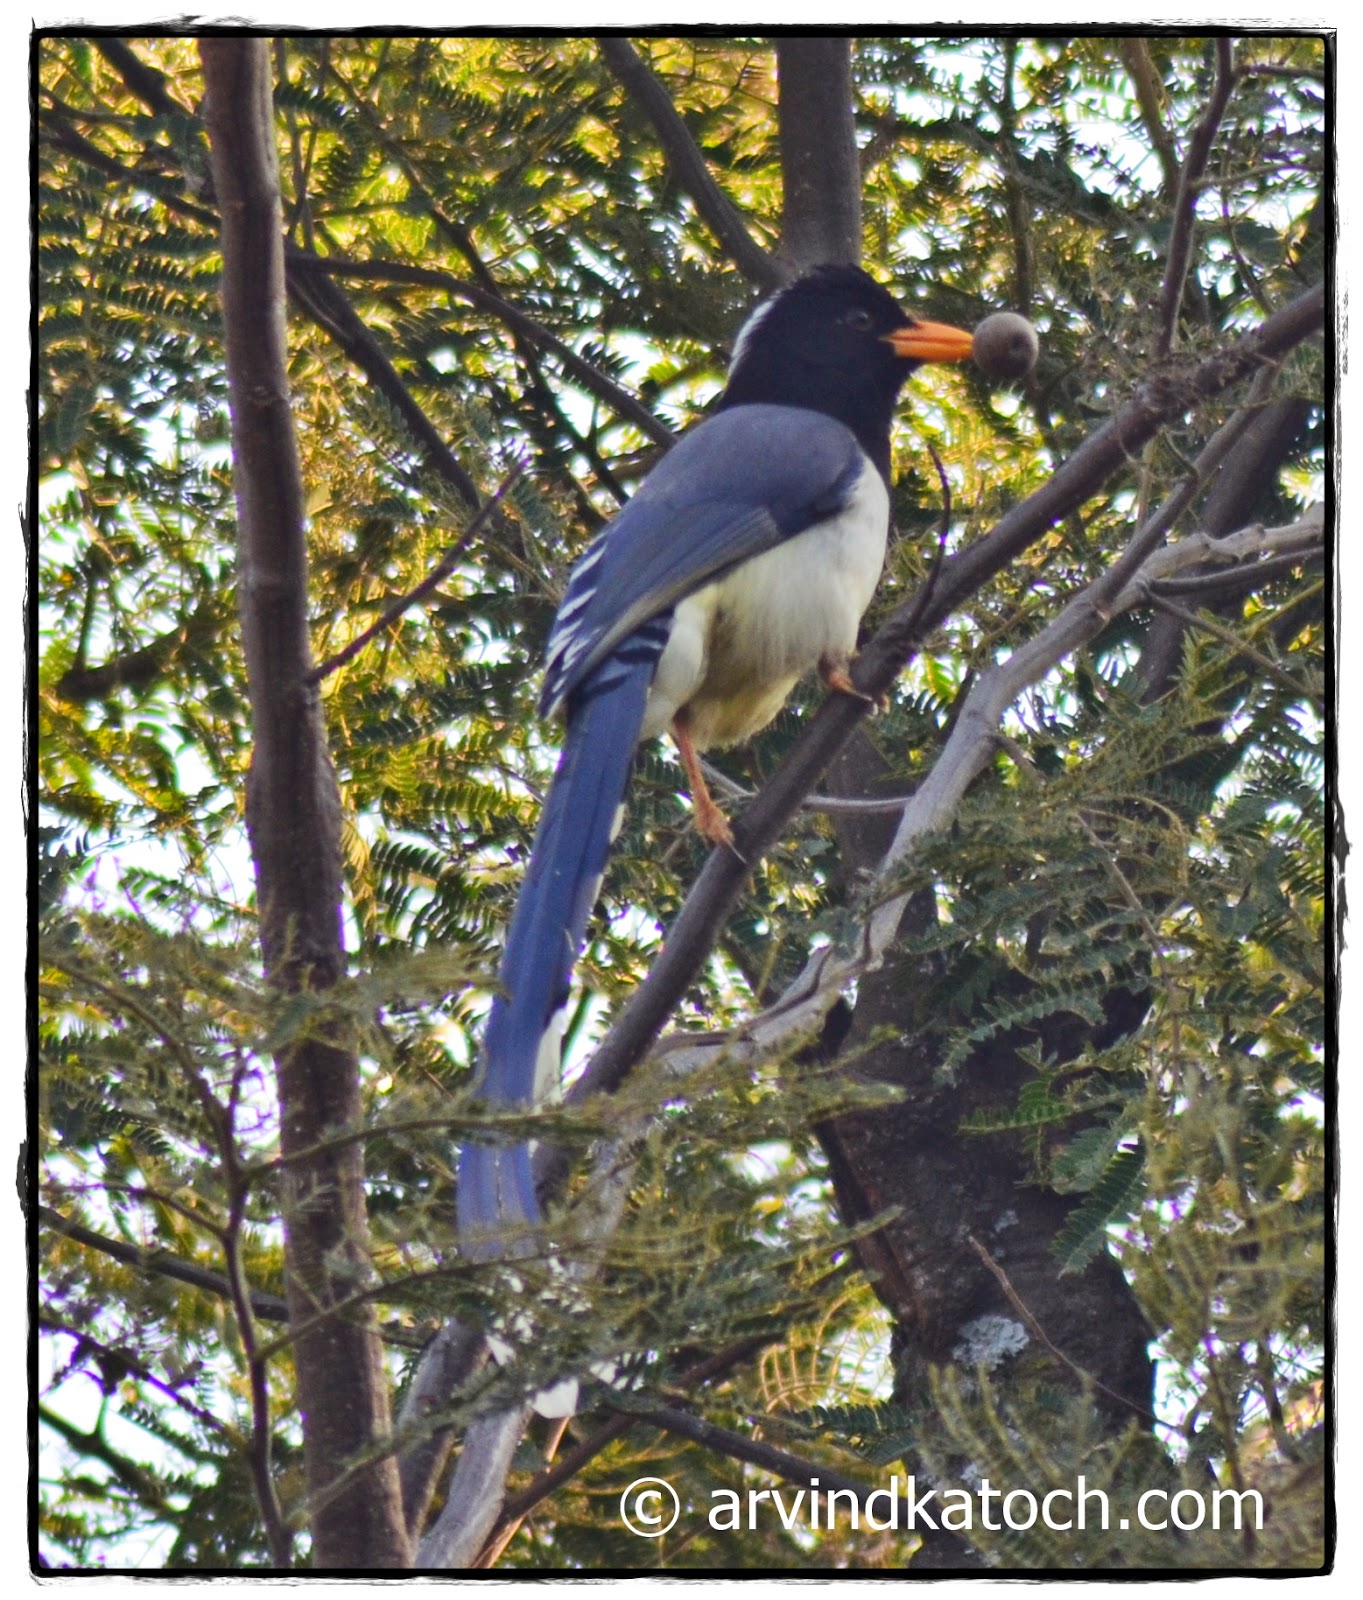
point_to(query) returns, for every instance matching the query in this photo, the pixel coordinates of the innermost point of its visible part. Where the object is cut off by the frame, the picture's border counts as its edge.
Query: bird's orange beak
(931, 341)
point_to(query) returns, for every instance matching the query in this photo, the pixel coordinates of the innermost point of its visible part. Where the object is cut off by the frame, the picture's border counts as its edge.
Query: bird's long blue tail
(496, 1187)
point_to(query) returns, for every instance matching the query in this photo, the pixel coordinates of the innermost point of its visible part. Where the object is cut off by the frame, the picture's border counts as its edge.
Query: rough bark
(293, 815)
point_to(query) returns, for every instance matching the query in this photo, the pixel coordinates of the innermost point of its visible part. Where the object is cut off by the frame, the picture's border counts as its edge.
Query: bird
(746, 559)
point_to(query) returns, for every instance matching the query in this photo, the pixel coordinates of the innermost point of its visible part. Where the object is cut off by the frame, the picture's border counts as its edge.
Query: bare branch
(474, 1501)
(260, 1447)
(148, 83)
(329, 308)
(268, 1307)
(1239, 579)
(1019, 212)
(1185, 202)
(620, 399)
(446, 1365)
(724, 1441)
(140, 1370)
(688, 164)
(1150, 98)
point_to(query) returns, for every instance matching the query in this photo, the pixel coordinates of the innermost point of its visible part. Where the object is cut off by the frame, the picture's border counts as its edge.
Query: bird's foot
(711, 823)
(834, 673)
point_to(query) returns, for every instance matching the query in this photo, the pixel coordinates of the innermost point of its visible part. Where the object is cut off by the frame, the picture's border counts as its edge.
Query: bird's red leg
(710, 820)
(833, 671)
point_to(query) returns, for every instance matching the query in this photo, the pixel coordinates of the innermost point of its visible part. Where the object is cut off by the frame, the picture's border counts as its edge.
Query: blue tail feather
(496, 1186)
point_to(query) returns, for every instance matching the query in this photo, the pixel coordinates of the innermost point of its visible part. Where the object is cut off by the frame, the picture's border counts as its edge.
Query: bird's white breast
(739, 645)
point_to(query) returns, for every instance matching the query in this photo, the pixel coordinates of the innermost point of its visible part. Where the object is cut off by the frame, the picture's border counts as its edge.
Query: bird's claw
(711, 823)
(837, 678)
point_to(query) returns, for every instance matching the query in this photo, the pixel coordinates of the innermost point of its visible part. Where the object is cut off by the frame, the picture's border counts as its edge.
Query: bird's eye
(859, 318)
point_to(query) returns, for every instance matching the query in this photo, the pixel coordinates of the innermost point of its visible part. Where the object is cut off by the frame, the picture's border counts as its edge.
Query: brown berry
(1006, 345)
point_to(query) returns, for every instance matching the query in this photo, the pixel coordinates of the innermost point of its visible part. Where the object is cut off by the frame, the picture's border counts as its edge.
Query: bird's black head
(836, 341)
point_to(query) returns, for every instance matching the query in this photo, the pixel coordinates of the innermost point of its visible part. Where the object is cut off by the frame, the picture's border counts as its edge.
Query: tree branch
(688, 164)
(1185, 202)
(137, 668)
(590, 377)
(476, 1491)
(1240, 579)
(314, 293)
(107, 1356)
(268, 1307)
(446, 1365)
(724, 1441)
(149, 84)
(1150, 97)
(56, 126)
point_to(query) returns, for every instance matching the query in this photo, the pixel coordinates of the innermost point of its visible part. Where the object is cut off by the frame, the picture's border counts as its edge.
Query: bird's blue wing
(741, 482)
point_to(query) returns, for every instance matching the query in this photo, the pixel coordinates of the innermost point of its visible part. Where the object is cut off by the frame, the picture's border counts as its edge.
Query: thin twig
(1200, 619)
(140, 1371)
(825, 804)
(433, 581)
(725, 1442)
(1044, 1339)
(260, 1449)
(590, 377)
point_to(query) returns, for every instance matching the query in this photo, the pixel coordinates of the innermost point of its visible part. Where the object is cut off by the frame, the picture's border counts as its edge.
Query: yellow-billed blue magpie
(746, 559)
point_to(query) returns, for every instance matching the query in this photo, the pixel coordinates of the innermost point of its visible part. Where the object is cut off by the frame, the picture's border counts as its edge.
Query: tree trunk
(293, 813)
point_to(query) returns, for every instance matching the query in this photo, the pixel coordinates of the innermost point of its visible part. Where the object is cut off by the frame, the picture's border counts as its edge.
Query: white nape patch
(750, 326)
